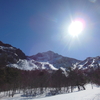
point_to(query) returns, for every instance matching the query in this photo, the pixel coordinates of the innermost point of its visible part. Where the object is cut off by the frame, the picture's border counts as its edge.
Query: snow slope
(89, 63)
(88, 94)
(32, 65)
(55, 59)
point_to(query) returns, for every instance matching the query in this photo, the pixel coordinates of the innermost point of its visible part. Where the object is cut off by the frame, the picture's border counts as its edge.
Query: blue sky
(39, 26)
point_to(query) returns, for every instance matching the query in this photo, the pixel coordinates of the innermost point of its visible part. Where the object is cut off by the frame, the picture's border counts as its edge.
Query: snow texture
(32, 65)
(88, 94)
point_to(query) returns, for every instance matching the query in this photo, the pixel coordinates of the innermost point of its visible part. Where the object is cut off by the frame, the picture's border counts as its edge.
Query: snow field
(88, 94)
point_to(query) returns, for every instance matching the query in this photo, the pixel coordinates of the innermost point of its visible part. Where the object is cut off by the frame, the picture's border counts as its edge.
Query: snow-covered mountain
(10, 54)
(14, 57)
(32, 65)
(55, 59)
(59, 61)
(89, 63)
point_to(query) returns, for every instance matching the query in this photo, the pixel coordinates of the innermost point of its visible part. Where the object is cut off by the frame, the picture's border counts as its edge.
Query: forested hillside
(36, 82)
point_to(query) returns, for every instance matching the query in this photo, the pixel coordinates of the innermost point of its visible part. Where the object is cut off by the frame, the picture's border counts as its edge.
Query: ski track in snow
(88, 94)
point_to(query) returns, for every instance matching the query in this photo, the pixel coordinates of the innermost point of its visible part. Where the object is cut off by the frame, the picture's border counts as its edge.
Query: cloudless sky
(41, 25)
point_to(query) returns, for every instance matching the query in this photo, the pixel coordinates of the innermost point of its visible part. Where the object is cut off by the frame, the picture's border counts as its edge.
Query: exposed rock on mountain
(90, 63)
(55, 59)
(10, 54)
(13, 57)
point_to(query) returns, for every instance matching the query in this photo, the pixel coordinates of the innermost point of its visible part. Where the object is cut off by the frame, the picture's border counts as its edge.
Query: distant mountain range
(14, 57)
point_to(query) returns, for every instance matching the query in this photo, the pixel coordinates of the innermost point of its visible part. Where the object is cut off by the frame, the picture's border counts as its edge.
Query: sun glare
(75, 28)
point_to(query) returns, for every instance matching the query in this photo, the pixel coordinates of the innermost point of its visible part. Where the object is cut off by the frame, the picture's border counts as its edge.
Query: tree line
(36, 82)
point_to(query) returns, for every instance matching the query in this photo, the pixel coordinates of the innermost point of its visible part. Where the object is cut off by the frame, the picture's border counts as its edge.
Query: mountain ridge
(14, 57)
(55, 59)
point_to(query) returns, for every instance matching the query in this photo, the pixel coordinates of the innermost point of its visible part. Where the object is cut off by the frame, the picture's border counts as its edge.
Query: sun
(75, 28)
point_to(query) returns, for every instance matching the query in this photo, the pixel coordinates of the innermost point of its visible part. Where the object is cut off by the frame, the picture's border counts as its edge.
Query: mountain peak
(55, 59)
(50, 53)
(45, 56)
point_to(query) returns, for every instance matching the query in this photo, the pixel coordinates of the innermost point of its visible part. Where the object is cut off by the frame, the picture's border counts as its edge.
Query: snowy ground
(88, 94)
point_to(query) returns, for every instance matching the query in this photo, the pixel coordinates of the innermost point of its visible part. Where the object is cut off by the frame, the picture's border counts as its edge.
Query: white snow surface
(89, 63)
(88, 94)
(32, 65)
